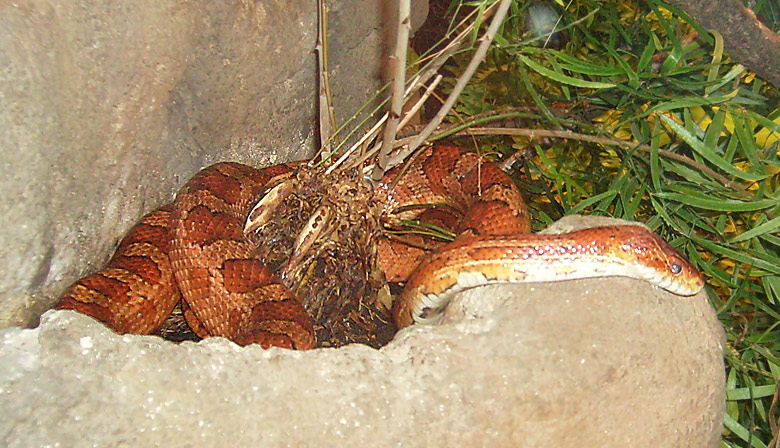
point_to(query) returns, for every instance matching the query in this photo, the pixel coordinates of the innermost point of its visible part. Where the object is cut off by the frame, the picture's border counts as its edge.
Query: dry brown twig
(541, 133)
(774, 418)
(326, 114)
(430, 71)
(398, 65)
(407, 117)
(465, 77)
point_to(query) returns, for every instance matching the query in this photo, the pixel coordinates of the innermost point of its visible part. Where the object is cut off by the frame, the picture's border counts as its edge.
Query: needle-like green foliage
(705, 174)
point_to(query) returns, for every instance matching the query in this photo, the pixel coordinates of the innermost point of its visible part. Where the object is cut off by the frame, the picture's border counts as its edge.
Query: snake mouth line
(430, 307)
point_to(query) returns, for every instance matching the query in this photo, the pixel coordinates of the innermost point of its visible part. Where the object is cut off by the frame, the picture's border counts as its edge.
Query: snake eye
(676, 268)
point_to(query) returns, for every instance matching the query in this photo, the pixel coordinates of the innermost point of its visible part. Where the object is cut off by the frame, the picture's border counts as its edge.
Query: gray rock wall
(107, 108)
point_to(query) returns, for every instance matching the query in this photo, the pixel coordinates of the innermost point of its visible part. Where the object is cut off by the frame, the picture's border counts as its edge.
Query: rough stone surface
(107, 108)
(609, 363)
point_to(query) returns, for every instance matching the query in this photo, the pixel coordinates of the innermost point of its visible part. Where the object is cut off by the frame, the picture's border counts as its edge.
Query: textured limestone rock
(609, 363)
(107, 108)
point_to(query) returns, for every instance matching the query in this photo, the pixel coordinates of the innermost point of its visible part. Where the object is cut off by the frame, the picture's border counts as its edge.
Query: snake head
(682, 276)
(660, 263)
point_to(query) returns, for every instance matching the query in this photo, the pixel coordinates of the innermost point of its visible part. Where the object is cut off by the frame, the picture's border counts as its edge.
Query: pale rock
(609, 363)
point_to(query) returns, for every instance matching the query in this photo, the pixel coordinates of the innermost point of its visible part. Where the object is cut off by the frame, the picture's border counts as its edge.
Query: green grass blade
(767, 227)
(707, 153)
(741, 432)
(560, 77)
(699, 200)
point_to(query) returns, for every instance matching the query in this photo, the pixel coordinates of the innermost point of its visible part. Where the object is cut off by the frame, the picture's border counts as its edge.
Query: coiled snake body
(195, 250)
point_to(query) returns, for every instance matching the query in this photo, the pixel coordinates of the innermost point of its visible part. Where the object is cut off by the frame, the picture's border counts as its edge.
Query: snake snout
(684, 275)
(659, 263)
(679, 274)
